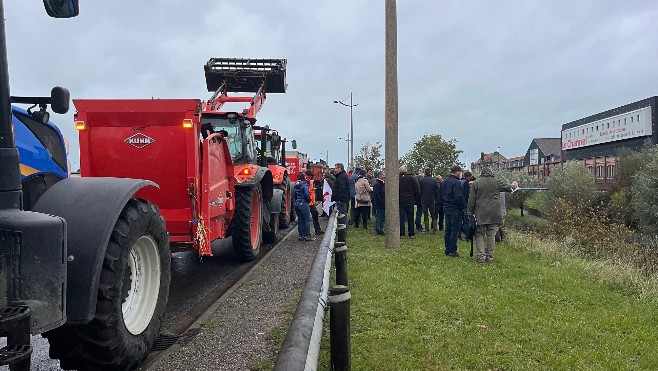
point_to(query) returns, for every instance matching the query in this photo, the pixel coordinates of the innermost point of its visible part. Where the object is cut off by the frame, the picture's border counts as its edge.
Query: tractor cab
(269, 142)
(238, 132)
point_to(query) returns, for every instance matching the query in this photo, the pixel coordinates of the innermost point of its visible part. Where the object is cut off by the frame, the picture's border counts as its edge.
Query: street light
(348, 140)
(351, 105)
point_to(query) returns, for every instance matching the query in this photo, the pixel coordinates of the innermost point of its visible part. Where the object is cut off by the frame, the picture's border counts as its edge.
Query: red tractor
(272, 147)
(205, 161)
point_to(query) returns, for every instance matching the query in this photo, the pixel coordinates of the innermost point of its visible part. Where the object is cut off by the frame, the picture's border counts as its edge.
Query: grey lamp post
(348, 140)
(351, 137)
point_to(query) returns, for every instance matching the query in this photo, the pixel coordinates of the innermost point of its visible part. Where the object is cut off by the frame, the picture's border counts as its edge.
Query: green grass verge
(412, 308)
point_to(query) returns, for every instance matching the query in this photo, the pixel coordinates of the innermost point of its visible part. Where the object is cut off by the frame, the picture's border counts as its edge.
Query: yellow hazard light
(80, 125)
(188, 124)
(246, 171)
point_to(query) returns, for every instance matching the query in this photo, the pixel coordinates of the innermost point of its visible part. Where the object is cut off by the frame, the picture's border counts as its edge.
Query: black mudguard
(91, 207)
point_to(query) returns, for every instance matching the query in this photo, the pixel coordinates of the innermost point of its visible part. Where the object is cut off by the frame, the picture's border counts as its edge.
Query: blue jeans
(380, 215)
(407, 214)
(304, 219)
(453, 223)
(419, 213)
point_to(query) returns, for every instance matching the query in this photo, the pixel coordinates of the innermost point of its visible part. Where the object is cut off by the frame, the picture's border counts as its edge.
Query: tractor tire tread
(105, 343)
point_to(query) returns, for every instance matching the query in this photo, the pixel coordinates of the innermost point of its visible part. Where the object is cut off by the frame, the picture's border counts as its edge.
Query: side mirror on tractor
(59, 100)
(294, 144)
(61, 8)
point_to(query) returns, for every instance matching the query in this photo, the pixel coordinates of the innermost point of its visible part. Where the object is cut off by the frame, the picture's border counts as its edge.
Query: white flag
(326, 197)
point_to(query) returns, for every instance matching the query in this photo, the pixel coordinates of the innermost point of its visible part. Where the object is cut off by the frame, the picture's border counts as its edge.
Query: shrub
(644, 196)
(589, 227)
(572, 184)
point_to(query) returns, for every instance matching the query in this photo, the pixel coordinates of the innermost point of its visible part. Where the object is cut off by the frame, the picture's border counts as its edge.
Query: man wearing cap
(453, 209)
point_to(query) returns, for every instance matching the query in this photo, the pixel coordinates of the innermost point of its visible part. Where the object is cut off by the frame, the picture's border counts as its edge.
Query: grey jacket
(484, 198)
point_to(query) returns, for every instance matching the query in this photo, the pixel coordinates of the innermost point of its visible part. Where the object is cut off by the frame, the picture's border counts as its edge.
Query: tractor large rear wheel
(286, 204)
(247, 223)
(132, 295)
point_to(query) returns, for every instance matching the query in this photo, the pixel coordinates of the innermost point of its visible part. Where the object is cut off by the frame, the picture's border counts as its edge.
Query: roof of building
(515, 158)
(549, 146)
(488, 157)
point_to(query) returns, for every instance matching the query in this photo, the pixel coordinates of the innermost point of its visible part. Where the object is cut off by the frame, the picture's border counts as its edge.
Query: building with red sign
(597, 139)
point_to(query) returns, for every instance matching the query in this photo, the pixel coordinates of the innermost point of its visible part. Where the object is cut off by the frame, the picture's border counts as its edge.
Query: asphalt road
(192, 280)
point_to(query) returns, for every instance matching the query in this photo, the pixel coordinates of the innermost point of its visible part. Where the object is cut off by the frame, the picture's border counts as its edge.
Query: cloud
(485, 73)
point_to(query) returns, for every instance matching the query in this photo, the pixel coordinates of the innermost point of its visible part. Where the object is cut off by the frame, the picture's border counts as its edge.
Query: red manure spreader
(212, 179)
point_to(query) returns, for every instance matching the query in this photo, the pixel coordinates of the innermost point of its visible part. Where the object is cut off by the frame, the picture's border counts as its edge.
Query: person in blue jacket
(453, 207)
(302, 198)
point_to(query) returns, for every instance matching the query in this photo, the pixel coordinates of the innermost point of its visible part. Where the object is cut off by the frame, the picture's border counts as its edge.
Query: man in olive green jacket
(483, 202)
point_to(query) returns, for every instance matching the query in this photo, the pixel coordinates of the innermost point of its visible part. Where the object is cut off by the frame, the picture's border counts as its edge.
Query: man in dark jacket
(453, 209)
(409, 193)
(341, 194)
(428, 191)
(484, 203)
(379, 202)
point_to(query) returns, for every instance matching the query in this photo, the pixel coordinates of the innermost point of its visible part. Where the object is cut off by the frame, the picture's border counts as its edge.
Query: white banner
(326, 197)
(633, 124)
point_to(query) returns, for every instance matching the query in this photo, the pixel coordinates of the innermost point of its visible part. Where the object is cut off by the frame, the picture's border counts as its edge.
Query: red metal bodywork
(147, 139)
(293, 167)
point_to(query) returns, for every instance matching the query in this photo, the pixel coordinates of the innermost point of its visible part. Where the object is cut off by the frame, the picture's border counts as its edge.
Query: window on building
(590, 170)
(534, 156)
(600, 174)
(631, 119)
(610, 171)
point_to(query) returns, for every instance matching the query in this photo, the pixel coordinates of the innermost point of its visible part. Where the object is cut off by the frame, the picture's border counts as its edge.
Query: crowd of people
(459, 204)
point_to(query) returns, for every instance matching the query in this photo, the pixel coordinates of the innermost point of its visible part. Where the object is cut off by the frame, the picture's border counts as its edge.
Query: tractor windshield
(238, 134)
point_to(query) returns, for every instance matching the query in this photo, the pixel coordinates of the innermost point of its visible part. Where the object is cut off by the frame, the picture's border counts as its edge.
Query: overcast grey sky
(486, 73)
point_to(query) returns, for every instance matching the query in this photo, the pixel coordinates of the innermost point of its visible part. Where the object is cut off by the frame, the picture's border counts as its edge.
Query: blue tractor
(82, 261)
(42, 153)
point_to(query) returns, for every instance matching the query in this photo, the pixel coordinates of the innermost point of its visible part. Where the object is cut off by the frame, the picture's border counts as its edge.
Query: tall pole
(350, 146)
(351, 132)
(392, 184)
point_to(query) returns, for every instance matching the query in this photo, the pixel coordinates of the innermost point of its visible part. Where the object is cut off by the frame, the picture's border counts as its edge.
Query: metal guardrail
(301, 346)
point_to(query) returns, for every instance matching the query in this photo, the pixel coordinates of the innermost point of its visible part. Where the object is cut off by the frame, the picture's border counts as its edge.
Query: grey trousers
(488, 231)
